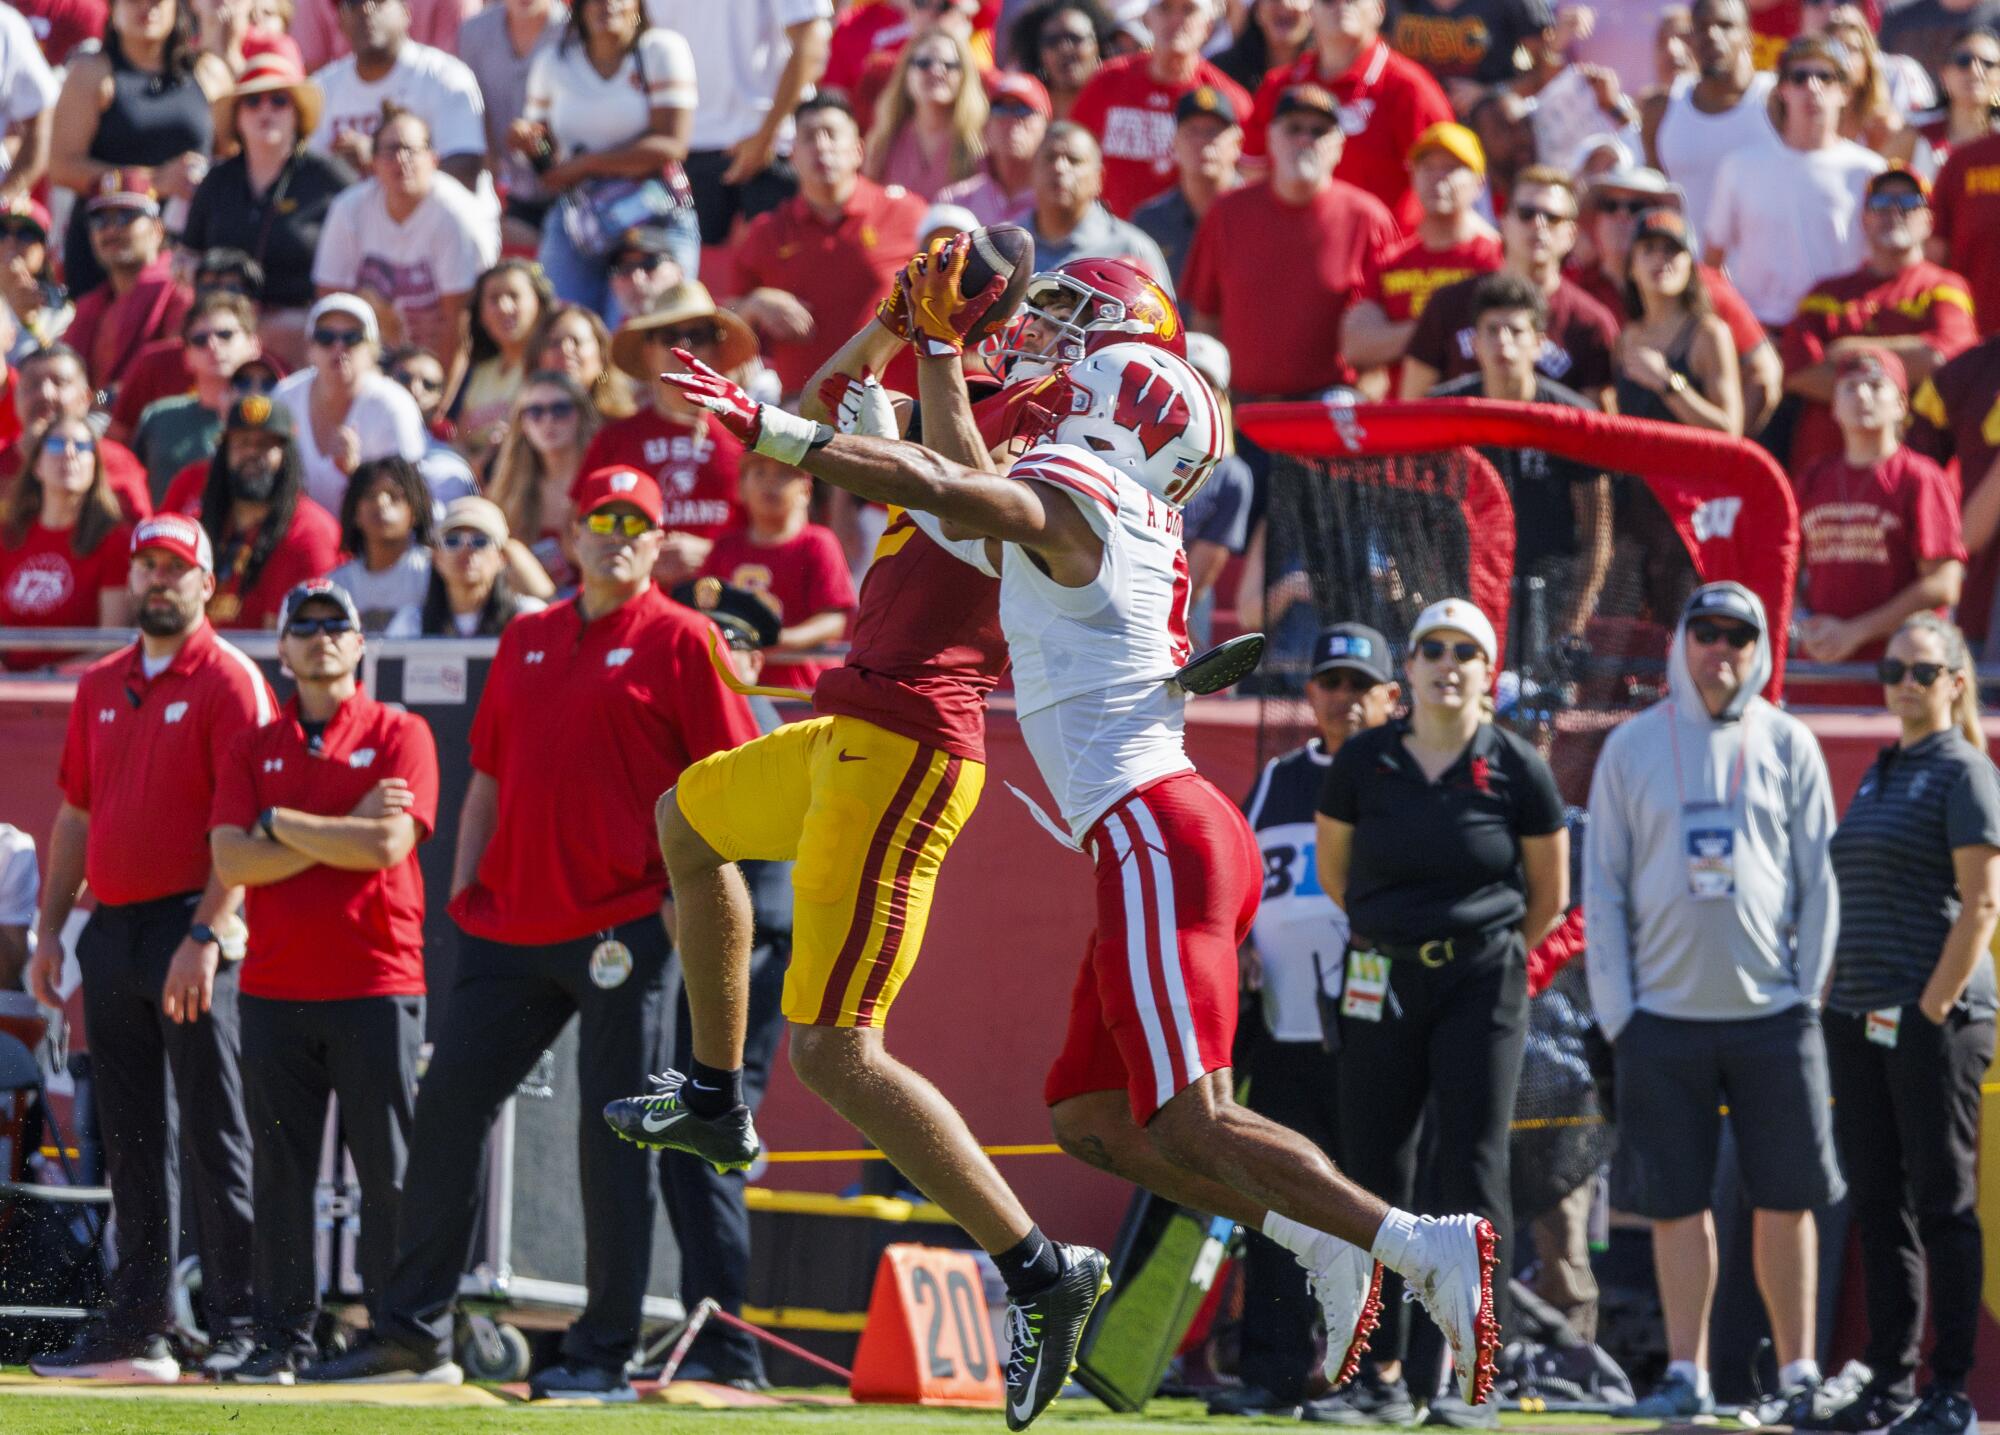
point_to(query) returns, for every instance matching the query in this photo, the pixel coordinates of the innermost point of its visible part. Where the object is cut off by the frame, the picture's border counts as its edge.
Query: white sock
(1294, 1236)
(1798, 1372)
(1392, 1241)
(1692, 1373)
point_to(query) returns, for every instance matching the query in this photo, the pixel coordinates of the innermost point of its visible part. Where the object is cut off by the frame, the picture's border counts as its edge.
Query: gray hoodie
(1659, 794)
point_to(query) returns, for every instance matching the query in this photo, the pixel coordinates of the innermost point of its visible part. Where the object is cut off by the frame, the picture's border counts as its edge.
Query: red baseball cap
(619, 484)
(1873, 361)
(179, 535)
(26, 206)
(1025, 89)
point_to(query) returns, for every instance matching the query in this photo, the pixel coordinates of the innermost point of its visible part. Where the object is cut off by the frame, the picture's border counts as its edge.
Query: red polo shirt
(839, 271)
(583, 726)
(694, 460)
(1132, 115)
(1923, 299)
(1284, 338)
(1966, 203)
(329, 934)
(1385, 101)
(142, 758)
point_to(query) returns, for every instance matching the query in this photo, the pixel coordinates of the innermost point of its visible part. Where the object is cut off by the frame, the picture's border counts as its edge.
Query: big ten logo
(1291, 870)
(928, 1339)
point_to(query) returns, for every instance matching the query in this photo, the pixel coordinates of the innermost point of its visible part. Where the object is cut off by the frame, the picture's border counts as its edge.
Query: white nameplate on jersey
(1367, 985)
(1882, 1027)
(1710, 840)
(610, 963)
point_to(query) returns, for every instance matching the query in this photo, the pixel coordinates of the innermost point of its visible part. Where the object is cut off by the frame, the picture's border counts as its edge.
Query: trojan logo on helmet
(1083, 305)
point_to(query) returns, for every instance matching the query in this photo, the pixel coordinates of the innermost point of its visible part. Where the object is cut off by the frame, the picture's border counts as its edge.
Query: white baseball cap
(1461, 615)
(355, 308)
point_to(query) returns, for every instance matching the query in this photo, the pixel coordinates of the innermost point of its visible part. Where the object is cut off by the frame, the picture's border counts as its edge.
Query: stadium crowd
(348, 316)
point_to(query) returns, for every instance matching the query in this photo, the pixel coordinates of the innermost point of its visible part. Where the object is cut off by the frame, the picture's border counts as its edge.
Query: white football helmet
(1144, 410)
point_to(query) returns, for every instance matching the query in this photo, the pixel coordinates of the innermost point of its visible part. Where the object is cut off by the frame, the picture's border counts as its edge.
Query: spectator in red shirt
(1316, 231)
(1897, 300)
(1385, 101)
(318, 815)
(1208, 141)
(594, 705)
(1017, 116)
(1128, 106)
(140, 301)
(1955, 419)
(814, 268)
(682, 448)
(1062, 44)
(793, 565)
(1879, 525)
(1536, 235)
(1617, 199)
(49, 383)
(150, 728)
(1966, 202)
(267, 535)
(63, 542)
(1451, 242)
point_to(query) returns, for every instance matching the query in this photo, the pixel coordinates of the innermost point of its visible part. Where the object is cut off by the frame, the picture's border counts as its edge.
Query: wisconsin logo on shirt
(274, 764)
(176, 711)
(361, 757)
(534, 657)
(617, 657)
(107, 714)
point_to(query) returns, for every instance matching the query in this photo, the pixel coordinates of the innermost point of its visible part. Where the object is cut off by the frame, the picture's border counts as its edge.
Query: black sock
(712, 1092)
(1031, 1265)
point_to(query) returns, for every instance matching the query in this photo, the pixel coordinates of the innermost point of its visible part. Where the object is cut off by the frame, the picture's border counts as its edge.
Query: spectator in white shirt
(28, 91)
(411, 240)
(344, 410)
(757, 59)
(387, 522)
(614, 100)
(498, 45)
(388, 67)
(1787, 209)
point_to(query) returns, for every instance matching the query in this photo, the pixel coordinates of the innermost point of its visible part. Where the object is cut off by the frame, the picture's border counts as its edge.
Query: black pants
(1906, 1122)
(507, 1006)
(295, 1054)
(1297, 1085)
(124, 953)
(1452, 1036)
(710, 1220)
(717, 205)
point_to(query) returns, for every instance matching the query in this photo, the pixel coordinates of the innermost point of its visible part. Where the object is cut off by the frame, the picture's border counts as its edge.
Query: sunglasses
(202, 338)
(641, 264)
(410, 379)
(1435, 648)
(936, 63)
(630, 525)
(1901, 200)
(1973, 60)
(61, 447)
(1813, 77)
(112, 218)
(311, 627)
(1528, 214)
(459, 538)
(1012, 109)
(1626, 206)
(267, 100)
(695, 336)
(1709, 634)
(339, 338)
(251, 384)
(1892, 671)
(555, 409)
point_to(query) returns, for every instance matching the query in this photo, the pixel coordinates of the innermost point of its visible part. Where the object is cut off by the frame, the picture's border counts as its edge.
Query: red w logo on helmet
(1151, 407)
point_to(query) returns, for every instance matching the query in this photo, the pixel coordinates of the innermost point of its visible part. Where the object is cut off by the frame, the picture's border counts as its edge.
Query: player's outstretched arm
(906, 474)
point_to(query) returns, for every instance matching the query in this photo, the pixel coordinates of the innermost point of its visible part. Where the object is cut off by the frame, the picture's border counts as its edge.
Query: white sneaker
(1347, 1282)
(1451, 1272)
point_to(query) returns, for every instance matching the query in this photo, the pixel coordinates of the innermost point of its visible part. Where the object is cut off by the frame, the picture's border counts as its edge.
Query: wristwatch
(203, 934)
(1677, 382)
(231, 944)
(264, 821)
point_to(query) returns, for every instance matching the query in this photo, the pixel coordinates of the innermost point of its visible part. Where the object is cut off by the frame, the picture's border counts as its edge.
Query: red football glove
(742, 415)
(941, 316)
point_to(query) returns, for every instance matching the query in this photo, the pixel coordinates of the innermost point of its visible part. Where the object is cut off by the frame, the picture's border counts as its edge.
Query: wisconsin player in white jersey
(1083, 532)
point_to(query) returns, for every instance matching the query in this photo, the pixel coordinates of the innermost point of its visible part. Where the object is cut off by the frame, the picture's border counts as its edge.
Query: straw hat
(275, 70)
(677, 306)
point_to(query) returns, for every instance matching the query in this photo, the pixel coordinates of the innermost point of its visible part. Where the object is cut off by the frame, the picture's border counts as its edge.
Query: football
(1004, 249)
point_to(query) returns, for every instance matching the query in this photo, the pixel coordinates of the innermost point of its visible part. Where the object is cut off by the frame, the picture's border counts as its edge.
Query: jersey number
(1155, 423)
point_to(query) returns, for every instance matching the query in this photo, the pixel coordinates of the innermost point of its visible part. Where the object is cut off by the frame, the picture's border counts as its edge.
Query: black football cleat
(1044, 1330)
(662, 1119)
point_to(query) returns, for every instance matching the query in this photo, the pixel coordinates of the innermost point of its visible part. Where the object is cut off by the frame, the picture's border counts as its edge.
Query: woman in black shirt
(1910, 1025)
(270, 199)
(1441, 837)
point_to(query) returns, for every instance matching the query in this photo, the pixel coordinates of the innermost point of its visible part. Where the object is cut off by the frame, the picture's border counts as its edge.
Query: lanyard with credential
(1735, 776)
